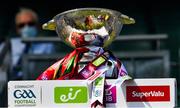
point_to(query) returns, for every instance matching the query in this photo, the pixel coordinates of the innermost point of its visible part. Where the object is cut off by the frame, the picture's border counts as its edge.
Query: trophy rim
(90, 8)
(124, 19)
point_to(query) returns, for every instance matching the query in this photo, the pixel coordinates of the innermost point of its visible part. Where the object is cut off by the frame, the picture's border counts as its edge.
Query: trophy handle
(50, 25)
(126, 20)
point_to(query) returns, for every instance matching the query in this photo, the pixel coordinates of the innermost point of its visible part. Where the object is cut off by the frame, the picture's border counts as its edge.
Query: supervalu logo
(148, 93)
(70, 94)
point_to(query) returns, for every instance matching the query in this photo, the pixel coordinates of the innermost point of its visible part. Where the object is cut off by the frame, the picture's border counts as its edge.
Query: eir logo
(147, 93)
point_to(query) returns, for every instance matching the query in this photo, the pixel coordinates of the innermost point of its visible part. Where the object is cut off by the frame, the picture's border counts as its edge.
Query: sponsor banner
(147, 93)
(138, 93)
(48, 94)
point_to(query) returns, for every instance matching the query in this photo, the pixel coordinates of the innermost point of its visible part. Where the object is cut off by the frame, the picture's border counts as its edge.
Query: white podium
(137, 93)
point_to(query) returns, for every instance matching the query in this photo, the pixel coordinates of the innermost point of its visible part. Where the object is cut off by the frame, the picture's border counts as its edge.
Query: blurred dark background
(153, 18)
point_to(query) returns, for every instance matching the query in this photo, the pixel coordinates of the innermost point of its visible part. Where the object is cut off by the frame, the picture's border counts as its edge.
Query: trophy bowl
(88, 26)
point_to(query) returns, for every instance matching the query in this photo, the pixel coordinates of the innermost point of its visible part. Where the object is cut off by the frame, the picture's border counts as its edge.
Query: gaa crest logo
(24, 97)
(24, 94)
